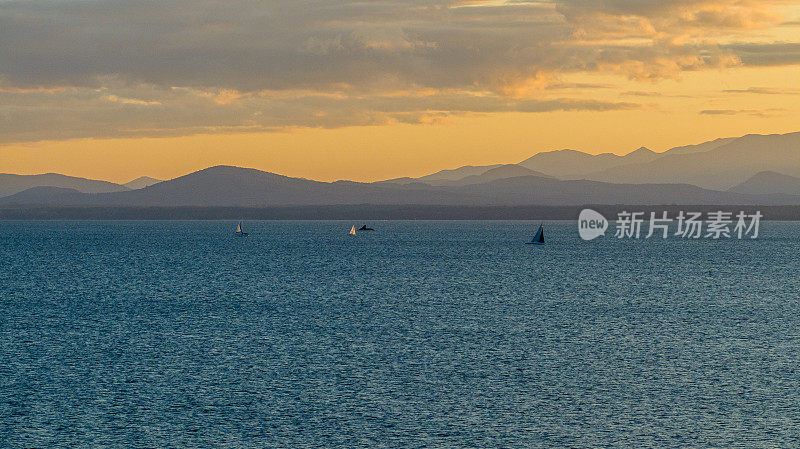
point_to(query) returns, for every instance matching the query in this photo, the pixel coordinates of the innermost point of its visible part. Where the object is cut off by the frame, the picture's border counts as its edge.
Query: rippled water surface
(420, 334)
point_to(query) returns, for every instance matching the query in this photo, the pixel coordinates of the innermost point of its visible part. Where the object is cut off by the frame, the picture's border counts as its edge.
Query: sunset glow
(375, 90)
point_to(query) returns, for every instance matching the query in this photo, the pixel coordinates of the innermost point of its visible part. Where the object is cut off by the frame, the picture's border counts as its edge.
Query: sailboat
(538, 239)
(240, 230)
(352, 230)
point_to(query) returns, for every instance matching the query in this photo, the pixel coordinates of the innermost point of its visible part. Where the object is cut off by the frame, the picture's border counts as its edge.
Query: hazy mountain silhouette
(45, 195)
(142, 182)
(573, 164)
(469, 174)
(543, 191)
(719, 168)
(11, 184)
(233, 186)
(699, 148)
(716, 164)
(767, 182)
(444, 176)
(499, 172)
(563, 164)
(457, 173)
(694, 174)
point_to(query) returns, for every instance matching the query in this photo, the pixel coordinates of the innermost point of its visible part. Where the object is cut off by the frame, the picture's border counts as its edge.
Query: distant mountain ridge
(700, 147)
(718, 164)
(497, 172)
(573, 164)
(444, 176)
(43, 195)
(234, 186)
(753, 169)
(722, 167)
(11, 184)
(769, 182)
(563, 164)
(141, 182)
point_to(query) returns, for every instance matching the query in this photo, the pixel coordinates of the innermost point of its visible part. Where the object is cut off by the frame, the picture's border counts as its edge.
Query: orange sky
(377, 131)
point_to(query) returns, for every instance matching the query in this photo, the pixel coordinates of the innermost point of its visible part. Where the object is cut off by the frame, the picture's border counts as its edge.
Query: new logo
(591, 224)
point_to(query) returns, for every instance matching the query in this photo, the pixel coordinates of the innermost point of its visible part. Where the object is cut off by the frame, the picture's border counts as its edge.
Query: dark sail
(538, 239)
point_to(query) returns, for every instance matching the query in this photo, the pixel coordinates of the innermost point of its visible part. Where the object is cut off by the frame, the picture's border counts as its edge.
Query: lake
(419, 334)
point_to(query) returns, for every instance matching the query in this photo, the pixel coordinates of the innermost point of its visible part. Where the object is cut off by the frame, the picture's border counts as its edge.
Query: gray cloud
(251, 45)
(139, 110)
(764, 113)
(565, 86)
(329, 63)
(763, 91)
(772, 54)
(639, 93)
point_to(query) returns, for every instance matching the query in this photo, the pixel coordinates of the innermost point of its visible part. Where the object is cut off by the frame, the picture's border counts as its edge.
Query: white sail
(353, 230)
(239, 227)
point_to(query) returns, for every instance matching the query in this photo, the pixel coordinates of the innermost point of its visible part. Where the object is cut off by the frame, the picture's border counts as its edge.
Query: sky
(368, 90)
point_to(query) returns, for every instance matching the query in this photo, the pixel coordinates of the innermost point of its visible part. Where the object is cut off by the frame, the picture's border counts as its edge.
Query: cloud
(248, 46)
(763, 113)
(770, 54)
(116, 99)
(120, 61)
(87, 112)
(763, 91)
(639, 93)
(566, 86)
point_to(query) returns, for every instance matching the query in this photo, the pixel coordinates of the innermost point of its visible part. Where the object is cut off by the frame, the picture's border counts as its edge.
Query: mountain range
(750, 170)
(11, 184)
(141, 182)
(720, 164)
(768, 182)
(721, 167)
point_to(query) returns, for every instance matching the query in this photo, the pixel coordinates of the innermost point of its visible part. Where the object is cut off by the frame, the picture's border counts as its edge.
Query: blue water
(420, 334)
